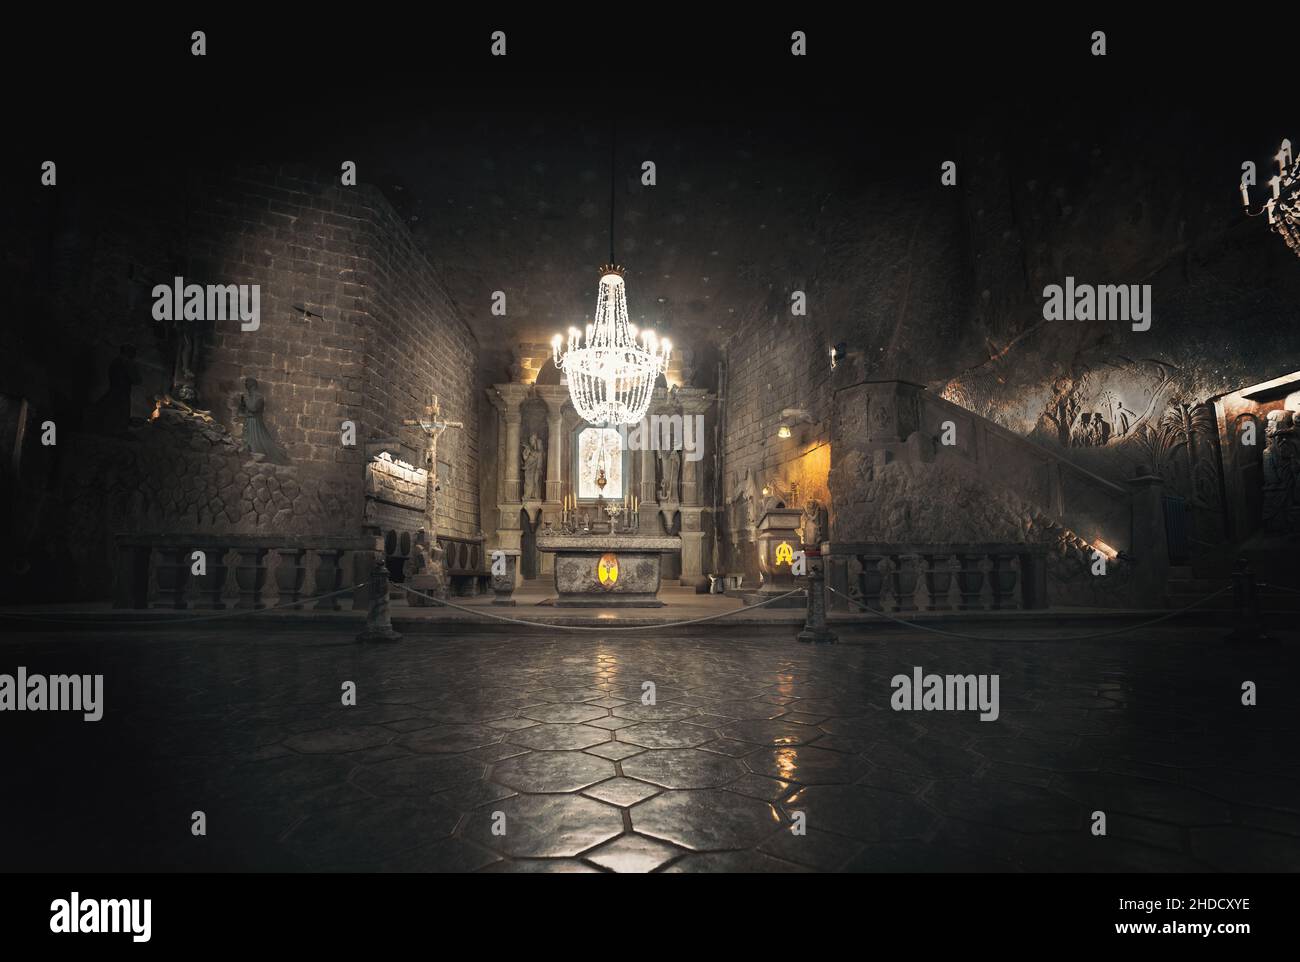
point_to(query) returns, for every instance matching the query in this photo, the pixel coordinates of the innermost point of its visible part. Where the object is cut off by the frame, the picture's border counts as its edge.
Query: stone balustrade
(905, 578)
(240, 571)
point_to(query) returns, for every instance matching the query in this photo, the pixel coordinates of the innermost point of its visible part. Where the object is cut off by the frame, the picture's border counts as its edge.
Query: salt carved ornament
(607, 570)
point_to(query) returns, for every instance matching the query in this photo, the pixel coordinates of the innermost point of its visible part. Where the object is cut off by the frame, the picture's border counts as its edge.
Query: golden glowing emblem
(607, 570)
(784, 554)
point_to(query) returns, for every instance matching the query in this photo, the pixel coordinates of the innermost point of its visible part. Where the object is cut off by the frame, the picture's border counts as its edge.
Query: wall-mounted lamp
(791, 416)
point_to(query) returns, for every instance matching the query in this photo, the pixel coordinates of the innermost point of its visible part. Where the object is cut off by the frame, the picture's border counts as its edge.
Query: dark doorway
(528, 560)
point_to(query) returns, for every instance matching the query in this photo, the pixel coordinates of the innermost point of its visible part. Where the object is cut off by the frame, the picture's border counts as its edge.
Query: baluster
(329, 577)
(212, 585)
(1003, 579)
(938, 581)
(970, 581)
(870, 580)
(173, 572)
(904, 580)
(250, 575)
(289, 576)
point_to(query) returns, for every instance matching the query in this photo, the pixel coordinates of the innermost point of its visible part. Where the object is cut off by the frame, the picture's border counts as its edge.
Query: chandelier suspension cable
(613, 166)
(611, 372)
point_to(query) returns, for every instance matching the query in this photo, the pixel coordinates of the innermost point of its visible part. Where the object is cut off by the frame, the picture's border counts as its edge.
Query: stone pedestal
(814, 626)
(503, 583)
(608, 571)
(777, 541)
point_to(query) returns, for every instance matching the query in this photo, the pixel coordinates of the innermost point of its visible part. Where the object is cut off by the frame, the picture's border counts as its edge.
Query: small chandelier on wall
(1283, 207)
(611, 371)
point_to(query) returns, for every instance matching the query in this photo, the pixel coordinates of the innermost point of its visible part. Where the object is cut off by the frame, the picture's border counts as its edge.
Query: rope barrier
(1265, 584)
(547, 624)
(1098, 634)
(151, 622)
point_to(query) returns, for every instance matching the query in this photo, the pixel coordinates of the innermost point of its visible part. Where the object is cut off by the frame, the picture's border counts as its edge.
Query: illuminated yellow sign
(607, 570)
(784, 554)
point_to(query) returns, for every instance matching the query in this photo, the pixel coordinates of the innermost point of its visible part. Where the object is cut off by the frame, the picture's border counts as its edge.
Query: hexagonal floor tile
(665, 735)
(684, 768)
(555, 738)
(345, 738)
(633, 853)
(545, 826)
(417, 775)
(450, 738)
(622, 791)
(768, 732)
(648, 713)
(568, 713)
(552, 771)
(705, 820)
(807, 765)
(867, 814)
(615, 751)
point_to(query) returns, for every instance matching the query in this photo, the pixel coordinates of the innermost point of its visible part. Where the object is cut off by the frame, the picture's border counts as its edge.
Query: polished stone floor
(492, 752)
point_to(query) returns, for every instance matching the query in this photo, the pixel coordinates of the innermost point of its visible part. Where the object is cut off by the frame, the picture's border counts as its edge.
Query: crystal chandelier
(1283, 207)
(611, 373)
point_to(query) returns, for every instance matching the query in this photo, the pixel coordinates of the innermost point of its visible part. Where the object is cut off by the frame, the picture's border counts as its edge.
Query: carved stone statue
(425, 570)
(532, 469)
(1281, 509)
(257, 436)
(670, 469)
(814, 523)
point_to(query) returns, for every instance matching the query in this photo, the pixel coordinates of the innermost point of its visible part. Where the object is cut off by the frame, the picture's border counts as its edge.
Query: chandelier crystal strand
(611, 377)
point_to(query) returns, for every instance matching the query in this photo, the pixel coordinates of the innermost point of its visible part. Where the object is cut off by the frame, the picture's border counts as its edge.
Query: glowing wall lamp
(791, 416)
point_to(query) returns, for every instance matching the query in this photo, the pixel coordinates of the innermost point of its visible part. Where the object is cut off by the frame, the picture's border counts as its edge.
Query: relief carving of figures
(532, 469)
(1281, 510)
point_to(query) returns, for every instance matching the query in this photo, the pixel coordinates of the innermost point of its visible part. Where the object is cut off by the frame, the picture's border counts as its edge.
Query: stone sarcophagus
(608, 571)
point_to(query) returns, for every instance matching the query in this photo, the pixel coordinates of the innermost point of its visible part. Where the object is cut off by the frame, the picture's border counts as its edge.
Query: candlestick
(1245, 196)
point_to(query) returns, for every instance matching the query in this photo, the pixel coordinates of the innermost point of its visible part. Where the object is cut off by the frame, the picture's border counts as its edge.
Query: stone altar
(608, 571)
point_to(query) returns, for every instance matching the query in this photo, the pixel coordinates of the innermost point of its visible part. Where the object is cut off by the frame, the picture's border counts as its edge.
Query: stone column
(511, 476)
(695, 404)
(555, 396)
(1150, 549)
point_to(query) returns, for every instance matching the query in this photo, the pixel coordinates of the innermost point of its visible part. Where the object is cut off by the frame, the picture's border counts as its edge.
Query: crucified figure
(432, 425)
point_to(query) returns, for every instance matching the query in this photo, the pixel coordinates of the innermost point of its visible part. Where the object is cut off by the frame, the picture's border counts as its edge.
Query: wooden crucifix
(432, 425)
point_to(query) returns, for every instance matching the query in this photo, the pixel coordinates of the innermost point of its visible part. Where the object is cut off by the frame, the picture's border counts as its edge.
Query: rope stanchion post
(379, 623)
(1248, 622)
(814, 626)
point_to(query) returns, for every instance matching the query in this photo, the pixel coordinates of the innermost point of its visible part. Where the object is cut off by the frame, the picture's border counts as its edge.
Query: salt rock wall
(167, 477)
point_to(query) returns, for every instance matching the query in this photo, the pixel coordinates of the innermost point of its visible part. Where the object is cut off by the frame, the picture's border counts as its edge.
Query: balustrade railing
(902, 578)
(239, 571)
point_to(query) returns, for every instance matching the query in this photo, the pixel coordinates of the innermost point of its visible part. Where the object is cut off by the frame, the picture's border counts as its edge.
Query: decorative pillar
(1150, 546)
(555, 396)
(507, 399)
